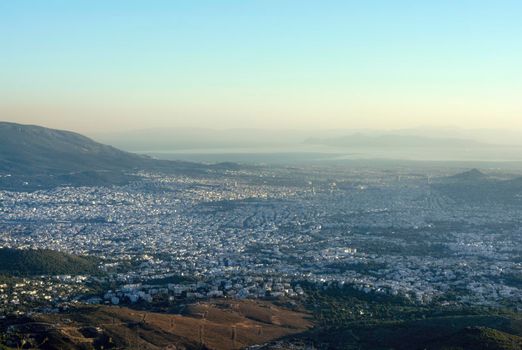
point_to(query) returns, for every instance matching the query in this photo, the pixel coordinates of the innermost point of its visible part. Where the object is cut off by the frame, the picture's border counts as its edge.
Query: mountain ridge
(33, 148)
(33, 157)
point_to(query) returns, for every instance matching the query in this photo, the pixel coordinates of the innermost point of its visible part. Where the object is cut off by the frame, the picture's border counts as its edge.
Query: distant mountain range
(394, 141)
(34, 157)
(409, 144)
(204, 138)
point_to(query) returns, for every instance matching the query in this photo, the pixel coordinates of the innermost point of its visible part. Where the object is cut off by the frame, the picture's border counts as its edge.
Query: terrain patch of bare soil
(220, 325)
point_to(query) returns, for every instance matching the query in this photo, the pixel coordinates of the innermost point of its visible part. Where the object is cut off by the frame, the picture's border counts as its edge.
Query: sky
(113, 65)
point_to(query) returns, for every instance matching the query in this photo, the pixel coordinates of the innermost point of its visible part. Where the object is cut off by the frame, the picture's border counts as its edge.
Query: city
(260, 175)
(260, 232)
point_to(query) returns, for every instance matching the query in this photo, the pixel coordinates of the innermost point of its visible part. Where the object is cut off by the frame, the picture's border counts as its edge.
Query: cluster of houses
(224, 288)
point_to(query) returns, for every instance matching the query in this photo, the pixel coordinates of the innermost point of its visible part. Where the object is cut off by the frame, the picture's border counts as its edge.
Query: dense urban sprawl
(261, 233)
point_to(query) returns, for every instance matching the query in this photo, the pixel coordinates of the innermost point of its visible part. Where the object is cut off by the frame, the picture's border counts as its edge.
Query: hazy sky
(107, 64)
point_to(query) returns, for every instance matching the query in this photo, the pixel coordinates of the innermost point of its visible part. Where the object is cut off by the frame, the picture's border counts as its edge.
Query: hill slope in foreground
(479, 338)
(444, 332)
(238, 324)
(221, 325)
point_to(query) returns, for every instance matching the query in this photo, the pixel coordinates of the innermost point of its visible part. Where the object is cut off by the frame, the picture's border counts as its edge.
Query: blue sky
(268, 64)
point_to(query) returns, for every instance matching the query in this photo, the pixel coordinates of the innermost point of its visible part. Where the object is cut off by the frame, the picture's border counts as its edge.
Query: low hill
(470, 175)
(27, 262)
(475, 186)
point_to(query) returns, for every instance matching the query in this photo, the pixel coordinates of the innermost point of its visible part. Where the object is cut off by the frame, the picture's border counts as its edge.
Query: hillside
(18, 262)
(222, 325)
(237, 324)
(34, 149)
(473, 332)
(33, 157)
(477, 338)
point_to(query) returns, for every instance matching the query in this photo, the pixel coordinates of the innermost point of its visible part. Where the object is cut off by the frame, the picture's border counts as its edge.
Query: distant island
(363, 140)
